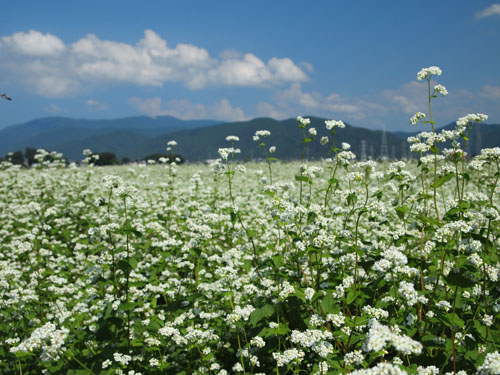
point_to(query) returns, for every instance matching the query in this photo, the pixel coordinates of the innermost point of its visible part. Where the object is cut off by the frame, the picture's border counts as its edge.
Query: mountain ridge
(140, 136)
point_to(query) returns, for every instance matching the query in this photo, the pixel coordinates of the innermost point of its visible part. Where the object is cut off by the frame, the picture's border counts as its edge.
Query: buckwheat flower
(153, 362)
(487, 320)
(303, 121)
(420, 147)
(444, 305)
(224, 152)
(323, 367)
(323, 140)
(286, 290)
(491, 364)
(272, 149)
(415, 119)
(232, 138)
(237, 367)
(288, 356)
(337, 319)
(345, 146)
(440, 89)
(427, 73)
(123, 359)
(309, 293)
(262, 133)
(428, 370)
(312, 132)
(382, 368)
(258, 342)
(106, 363)
(330, 124)
(172, 143)
(353, 358)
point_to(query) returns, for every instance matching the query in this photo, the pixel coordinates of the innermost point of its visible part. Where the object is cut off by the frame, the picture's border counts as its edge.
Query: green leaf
(435, 150)
(124, 266)
(351, 296)
(261, 313)
(301, 178)
(133, 263)
(401, 211)
(440, 181)
(127, 306)
(453, 317)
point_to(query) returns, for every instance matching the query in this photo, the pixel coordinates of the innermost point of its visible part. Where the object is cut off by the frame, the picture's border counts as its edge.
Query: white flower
(309, 293)
(262, 133)
(303, 121)
(427, 73)
(232, 138)
(272, 149)
(345, 146)
(323, 141)
(330, 124)
(172, 143)
(416, 118)
(491, 364)
(313, 132)
(440, 89)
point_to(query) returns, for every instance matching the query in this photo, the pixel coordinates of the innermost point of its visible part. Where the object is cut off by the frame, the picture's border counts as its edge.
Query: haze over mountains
(198, 140)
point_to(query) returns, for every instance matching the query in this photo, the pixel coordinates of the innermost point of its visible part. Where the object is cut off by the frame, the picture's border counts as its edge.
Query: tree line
(27, 158)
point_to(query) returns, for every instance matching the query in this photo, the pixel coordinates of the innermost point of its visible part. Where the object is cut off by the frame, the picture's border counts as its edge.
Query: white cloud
(51, 68)
(492, 10)
(33, 43)
(409, 98)
(53, 108)
(94, 104)
(187, 110)
(268, 110)
(491, 92)
(314, 101)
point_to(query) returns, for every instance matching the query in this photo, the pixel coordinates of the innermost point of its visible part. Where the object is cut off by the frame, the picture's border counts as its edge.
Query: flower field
(327, 267)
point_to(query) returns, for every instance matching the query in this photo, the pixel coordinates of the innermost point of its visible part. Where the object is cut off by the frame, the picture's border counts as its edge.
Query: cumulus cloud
(491, 92)
(409, 98)
(33, 43)
(265, 109)
(53, 108)
(187, 110)
(51, 68)
(95, 105)
(314, 101)
(492, 10)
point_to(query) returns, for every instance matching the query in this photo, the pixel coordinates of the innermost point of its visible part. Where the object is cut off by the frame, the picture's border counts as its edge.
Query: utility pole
(384, 152)
(363, 149)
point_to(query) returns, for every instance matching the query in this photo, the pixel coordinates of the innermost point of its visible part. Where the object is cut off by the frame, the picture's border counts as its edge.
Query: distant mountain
(71, 136)
(203, 143)
(198, 140)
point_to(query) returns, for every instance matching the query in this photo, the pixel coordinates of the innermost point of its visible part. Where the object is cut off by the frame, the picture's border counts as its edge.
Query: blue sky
(235, 60)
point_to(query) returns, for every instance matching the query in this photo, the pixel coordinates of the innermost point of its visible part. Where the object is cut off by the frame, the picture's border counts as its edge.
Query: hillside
(71, 136)
(198, 140)
(203, 143)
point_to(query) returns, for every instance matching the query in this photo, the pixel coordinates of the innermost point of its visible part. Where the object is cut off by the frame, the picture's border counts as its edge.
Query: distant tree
(125, 160)
(16, 157)
(106, 158)
(29, 154)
